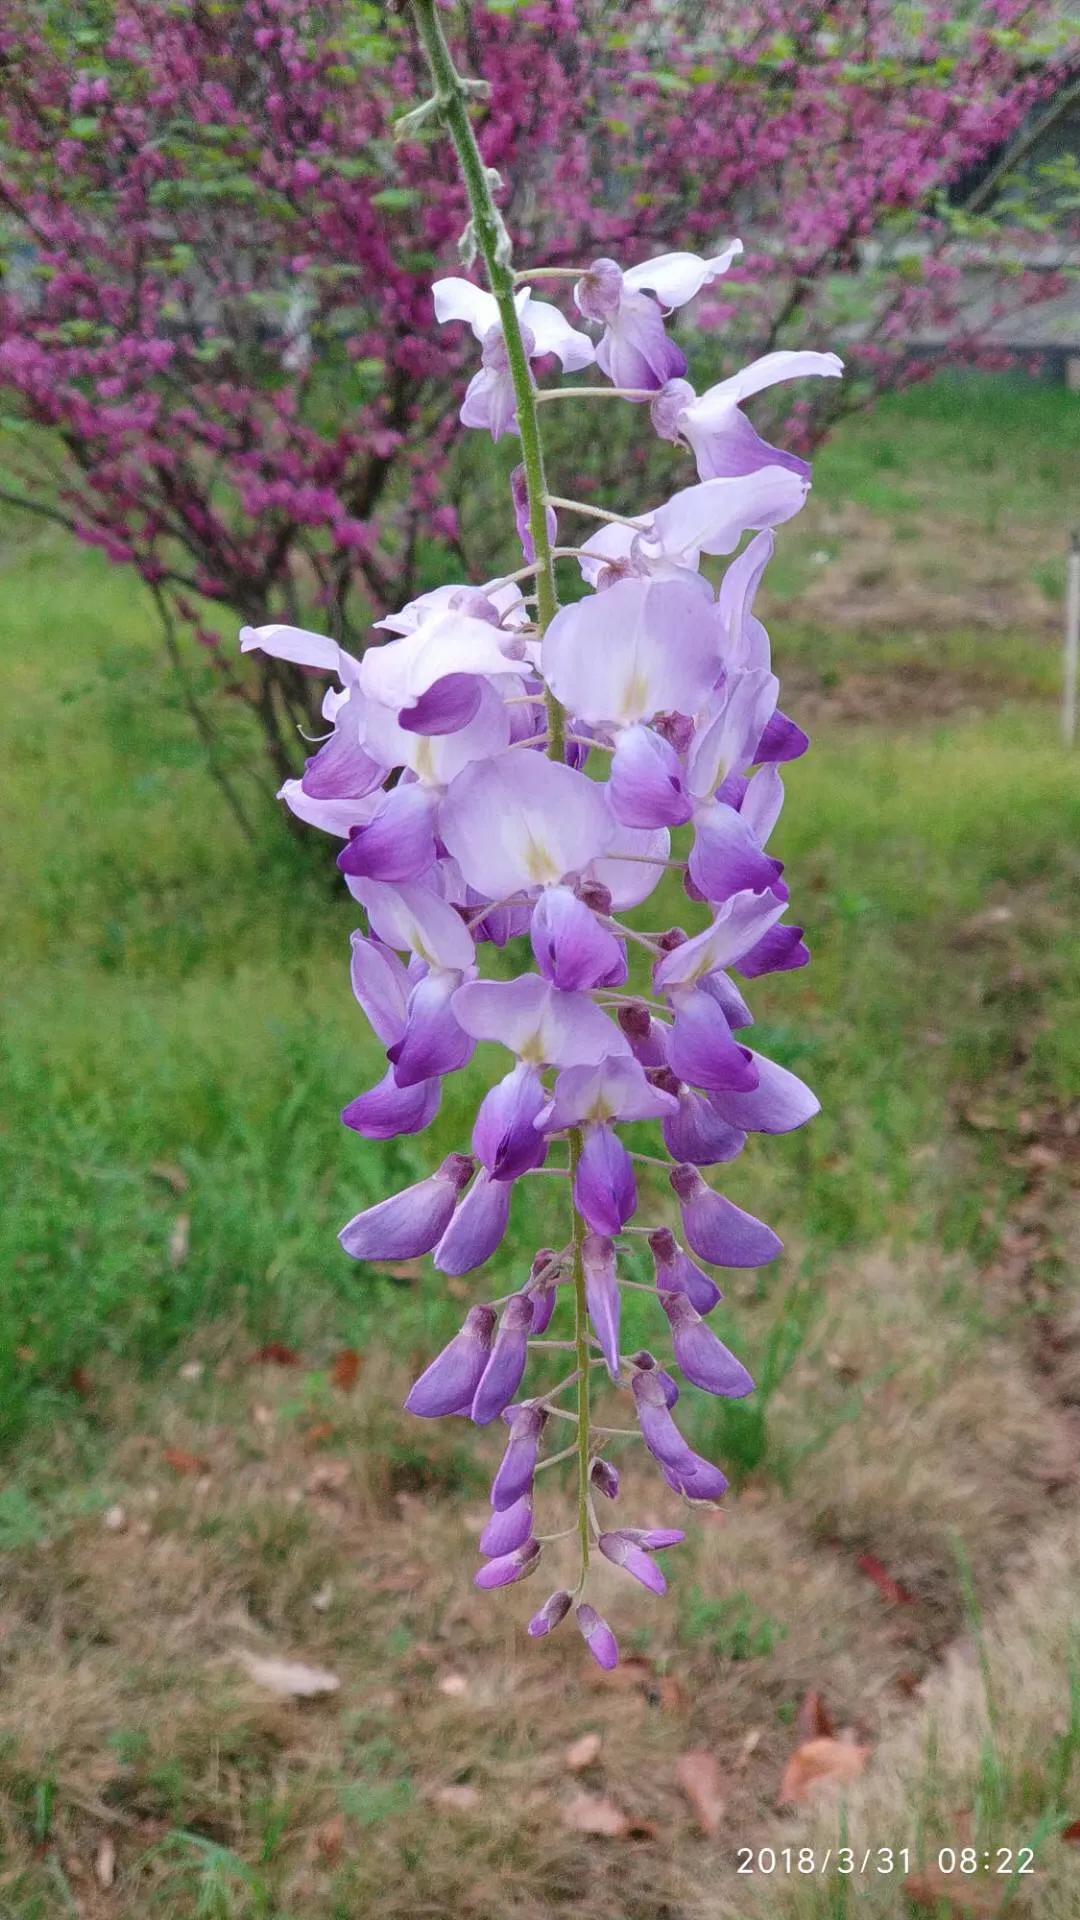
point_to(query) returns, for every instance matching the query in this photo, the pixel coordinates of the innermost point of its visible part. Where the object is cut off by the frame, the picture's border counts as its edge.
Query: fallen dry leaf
(397, 1269)
(179, 1239)
(698, 1775)
(289, 1679)
(345, 1369)
(1071, 1833)
(457, 1799)
(889, 1589)
(191, 1370)
(181, 1461)
(274, 1354)
(454, 1685)
(593, 1813)
(80, 1382)
(817, 1764)
(172, 1175)
(328, 1839)
(813, 1720)
(318, 1435)
(751, 1742)
(582, 1752)
(322, 1597)
(329, 1476)
(956, 1893)
(114, 1519)
(105, 1862)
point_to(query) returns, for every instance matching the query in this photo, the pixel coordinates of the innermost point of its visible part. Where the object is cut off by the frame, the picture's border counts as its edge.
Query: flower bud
(598, 1637)
(551, 1613)
(510, 1567)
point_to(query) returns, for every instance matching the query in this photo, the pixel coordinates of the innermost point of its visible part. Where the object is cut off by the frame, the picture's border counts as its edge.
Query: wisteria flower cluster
(505, 776)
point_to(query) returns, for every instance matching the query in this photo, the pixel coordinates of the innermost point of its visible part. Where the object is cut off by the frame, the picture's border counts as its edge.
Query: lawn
(192, 1480)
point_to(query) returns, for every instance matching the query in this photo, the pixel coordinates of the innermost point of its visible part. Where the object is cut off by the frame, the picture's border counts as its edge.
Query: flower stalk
(510, 781)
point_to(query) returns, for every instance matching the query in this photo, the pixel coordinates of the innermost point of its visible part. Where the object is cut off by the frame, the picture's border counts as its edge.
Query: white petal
(520, 821)
(638, 648)
(726, 742)
(633, 877)
(415, 918)
(457, 299)
(552, 333)
(741, 923)
(304, 649)
(330, 816)
(676, 277)
(712, 516)
(769, 371)
(537, 1022)
(397, 673)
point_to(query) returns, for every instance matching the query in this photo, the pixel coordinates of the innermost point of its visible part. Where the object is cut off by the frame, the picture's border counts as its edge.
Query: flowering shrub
(460, 775)
(217, 261)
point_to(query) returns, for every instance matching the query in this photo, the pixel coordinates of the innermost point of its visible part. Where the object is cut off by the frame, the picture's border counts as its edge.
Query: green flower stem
(493, 243)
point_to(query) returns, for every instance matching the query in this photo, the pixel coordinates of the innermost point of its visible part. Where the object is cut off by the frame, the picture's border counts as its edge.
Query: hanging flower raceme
(507, 778)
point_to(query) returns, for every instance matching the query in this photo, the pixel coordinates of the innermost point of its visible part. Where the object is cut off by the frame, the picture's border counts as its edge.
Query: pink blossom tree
(215, 341)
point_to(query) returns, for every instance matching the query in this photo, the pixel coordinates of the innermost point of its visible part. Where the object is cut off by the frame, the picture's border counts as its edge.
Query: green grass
(176, 996)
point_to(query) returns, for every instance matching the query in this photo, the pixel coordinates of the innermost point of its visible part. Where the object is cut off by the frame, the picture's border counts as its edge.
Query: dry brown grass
(326, 1527)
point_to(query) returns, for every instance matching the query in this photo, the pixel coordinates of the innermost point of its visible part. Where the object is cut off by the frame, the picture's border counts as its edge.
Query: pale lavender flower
(718, 1230)
(714, 426)
(503, 1373)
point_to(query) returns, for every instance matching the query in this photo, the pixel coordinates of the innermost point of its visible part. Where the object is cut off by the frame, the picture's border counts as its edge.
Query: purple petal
(605, 1191)
(698, 1133)
(658, 1429)
(780, 951)
(779, 1103)
(648, 1037)
(511, 1567)
(518, 1465)
(695, 1478)
(502, 1375)
(703, 1051)
(572, 949)
(635, 350)
(669, 1387)
(648, 782)
(633, 1559)
(450, 1381)
(605, 1478)
(676, 1273)
(476, 1227)
(554, 1609)
(654, 1539)
(381, 985)
(781, 740)
(509, 1529)
(725, 858)
(341, 768)
(432, 1042)
(446, 707)
(703, 1358)
(602, 1297)
(410, 1223)
(388, 1110)
(504, 1136)
(598, 1637)
(717, 1230)
(399, 842)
